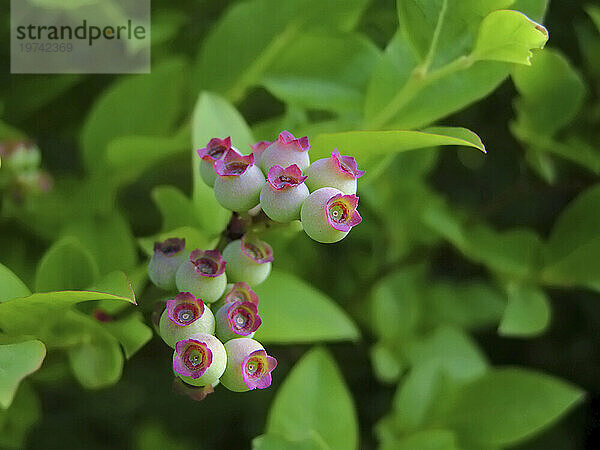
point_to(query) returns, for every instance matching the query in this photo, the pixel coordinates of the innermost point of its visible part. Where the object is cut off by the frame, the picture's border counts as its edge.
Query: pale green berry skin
(219, 361)
(171, 333)
(314, 217)
(283, 205)
(207, 172)
(162, 269)
(223, 331)
(24, 159)
(241, 268)
(209, 289)
(240, 193)
(237, 350)
(284, 156)
(325, 173)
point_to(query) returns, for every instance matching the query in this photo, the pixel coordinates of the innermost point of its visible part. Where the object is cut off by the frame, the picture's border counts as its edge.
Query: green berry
(203, 275)
(328, 215)
(282, 196)
(248, 365)
(238, 183)
(285, 151)
(338, 171)
(199, 360)
(184, 316)
(248, 259)
(165, 261)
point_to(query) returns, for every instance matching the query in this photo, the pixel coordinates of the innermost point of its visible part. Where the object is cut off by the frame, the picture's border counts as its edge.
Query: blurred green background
(399, 257)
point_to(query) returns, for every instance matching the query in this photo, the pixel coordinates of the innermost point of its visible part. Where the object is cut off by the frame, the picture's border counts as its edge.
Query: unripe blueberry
(238, 319)
(199, 360)
(214, 151)
(185, 315)
(337, 171)
(165, 261)
(258, 149)
(285, 151)
(203, 275)
(239, 181)
(328, 215)
(248, 259)
(282, 196)
(248, 365)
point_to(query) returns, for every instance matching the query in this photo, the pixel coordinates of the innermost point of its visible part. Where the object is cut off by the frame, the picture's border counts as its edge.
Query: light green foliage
(527, 312)
(10, 285)
(458, 254)
(508, 36)
(126, 109)
(66, 265)
(17, 361)
(302, 314)
(314, 403)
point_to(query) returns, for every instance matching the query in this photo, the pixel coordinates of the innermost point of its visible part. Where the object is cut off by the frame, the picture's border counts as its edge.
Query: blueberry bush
(183, 264)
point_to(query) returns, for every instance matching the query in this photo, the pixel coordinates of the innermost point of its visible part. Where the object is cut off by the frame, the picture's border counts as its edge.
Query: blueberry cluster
(280, 178)
(211, 322)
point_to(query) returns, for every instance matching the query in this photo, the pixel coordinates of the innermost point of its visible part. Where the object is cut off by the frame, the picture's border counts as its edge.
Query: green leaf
(398, 98)
(508, 36)
(395, 304)
(442, 30)
(40, 314)
(505, 406)
(293, 311)
(252, 35)
(314, 400)
(425, 440)
(369, 147)
(16, 362)
(386, 364)
(66, 265)
(514, 252)
(416, 397)
(537, 111)
(573, 249)
(214, 117)
(452, 350)
(176, 209)
(108, 238)
(17, 420)
(128, 157)
(527, 312)
(10, 285)
(472, 305)
(274, 441)
(323, 71)
(125, 109)
(98, 362)
(131, 332)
